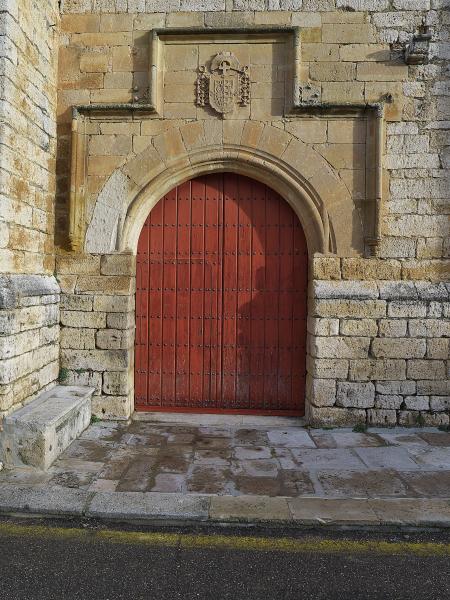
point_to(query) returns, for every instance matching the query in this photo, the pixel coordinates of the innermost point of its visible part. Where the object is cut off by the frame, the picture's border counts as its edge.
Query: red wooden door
(221, 301)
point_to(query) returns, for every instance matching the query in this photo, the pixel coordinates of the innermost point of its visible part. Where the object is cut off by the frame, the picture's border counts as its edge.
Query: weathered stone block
(392, 402)
(396, 387)
(118, 264)
(438, 348)
(439, 403)
(426, 369)
(119, 284)
(429, 328)
(112, 304)
(323, 368)
(111, 339)
(359, 327)
(334, 416)
(76, 264)
(112, 407)
(397, 290)
(88, 320)
(367, 268)
(97, 360)
(417, 402)
(381, 418)
(38, 433)
(84, 339)
(434, 387)
(406, 309)
(116, 383)
(339, 347)
(322, 392)
(393, 328)
(323, 327)
(355, 395)
(345, 289)
(349, 308)
(376, 369)
(398, 348)
(120, 320)
(76, 302)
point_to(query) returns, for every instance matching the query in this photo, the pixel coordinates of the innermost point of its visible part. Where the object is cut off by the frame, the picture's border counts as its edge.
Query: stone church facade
(339, 106)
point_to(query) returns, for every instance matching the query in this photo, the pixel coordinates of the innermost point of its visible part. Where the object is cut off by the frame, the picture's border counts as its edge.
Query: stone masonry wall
(378, 328)
(97, 334)
(29, 295)
(378, 348)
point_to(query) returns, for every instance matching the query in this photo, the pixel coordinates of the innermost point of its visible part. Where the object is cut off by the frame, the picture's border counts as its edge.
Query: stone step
(40, 431)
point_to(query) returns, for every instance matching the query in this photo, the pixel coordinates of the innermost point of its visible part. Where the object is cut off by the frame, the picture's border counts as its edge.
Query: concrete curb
(153, 507)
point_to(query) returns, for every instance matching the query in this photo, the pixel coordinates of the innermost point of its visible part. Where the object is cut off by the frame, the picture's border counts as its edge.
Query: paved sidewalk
(233, 471)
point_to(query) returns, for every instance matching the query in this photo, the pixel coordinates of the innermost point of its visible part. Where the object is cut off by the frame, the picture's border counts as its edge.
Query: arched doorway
(221, 290)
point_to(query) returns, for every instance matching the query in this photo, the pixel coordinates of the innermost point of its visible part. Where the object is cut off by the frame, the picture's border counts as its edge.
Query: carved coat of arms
(226, 85)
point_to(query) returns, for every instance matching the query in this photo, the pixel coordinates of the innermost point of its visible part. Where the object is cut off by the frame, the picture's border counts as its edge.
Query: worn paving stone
(209, 479)
(249, 508)
(415, 512)
(262, 486)
(346, 440)
(293, 438)
(209, 443)
(428, 483)
(220, 458)
(313, 511)
(138, 476)
(320, 459)
(251, 452)
(362, 484)
(250, 437)
(402, 439)
(103, 485)
(256, 468)
(387, 458)
(148, 505)
(43, 499)
(436, 439)
(169, 482)
(298, 481)
(438, 458)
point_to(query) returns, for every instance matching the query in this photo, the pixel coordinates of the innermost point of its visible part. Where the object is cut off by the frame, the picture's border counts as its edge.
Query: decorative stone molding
(226, 85)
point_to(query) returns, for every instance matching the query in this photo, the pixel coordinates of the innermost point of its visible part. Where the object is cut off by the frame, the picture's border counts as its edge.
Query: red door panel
(221, 287)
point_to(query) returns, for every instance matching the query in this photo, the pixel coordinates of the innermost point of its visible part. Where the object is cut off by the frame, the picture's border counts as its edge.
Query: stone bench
(40, 431)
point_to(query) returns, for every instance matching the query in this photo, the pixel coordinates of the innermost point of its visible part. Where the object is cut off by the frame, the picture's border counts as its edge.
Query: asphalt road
(65, 561)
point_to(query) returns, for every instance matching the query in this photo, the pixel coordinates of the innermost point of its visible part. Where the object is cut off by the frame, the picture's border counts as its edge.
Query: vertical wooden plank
(183, 260)
(142, 297)
(231, 216)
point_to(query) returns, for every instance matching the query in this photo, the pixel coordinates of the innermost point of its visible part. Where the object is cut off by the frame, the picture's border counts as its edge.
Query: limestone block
(434, 387)
(322, 392)
(113, 304)
(426, 369)
(96, 360)
(339, 347)
(320, 52)
(323, 327)
(347, 33)
(366, 268)
(88, 320)
(343, 92)
(117, 284)
(112, 407)
(38, 433)
(355, 395)
(349, 308)
(19, 343)
(334, 416)
(381, 418)
(409, 418)
(391, 402)
(75, 302)
(365, 52)
(120, 320)
(312, 131)
(439, 403)
(397, 290)
(118, 264)
(417, 402)
(429, 328)
(395, 387)
(111, 339)
(76, 264)
(435, 419)
(438, 348)
(347, 131)
(86, 378)
(359, 327)
(332, 71)
(398, 348)
(323, 368)
(392, 328)
(326, 267)
(94, 62)
(345, 289)
(407, 309)
(432, 291)
(397, 247)
(83, 339)
(369, 369)
(434, 270)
